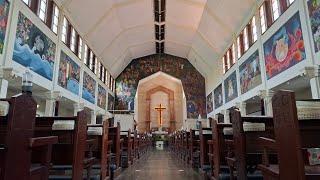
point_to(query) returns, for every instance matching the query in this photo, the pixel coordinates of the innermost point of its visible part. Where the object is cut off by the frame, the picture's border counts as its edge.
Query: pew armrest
(268, 144)
(43, 141)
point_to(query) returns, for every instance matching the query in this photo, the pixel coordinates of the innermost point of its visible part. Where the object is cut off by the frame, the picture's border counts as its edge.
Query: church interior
(160, 89)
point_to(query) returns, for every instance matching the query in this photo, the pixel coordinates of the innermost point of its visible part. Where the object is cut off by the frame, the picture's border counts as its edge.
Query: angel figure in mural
(230, 88)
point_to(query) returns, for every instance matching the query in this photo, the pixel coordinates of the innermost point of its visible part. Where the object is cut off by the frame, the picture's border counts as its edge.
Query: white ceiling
(121, 30)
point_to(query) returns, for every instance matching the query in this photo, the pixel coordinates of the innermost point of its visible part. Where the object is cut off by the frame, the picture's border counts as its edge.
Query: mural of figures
(110, 102)
(192, 81)
(102, 97)
(230, 87)
(285, 48)
(209, 103)
(250, 73)
(314, 14)
(4, 11)
(33, 49)
(89, 88)
(218, 99)
(69, 74)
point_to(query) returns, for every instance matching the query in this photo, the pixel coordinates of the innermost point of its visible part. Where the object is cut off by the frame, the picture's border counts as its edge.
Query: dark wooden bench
(126, 159)
(194, 148)
(219, 150)
(101, 150)
(115, 148)
(247, 151)
(17, 142)
(292, 139)
(70, 151)
(205, 134)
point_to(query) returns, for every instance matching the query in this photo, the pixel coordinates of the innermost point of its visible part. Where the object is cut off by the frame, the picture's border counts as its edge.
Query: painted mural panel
(33, 49)
(314, 14)
(218, 98)
(89, 88)
(209, 103)
(4, 12)
(285, 48)
(69, 74)
(230, 87)
(250, 73)
(110, 102)
(192, 81)
(102, 97)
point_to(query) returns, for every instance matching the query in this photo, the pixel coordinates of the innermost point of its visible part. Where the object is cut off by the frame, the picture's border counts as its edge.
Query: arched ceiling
(121, 30)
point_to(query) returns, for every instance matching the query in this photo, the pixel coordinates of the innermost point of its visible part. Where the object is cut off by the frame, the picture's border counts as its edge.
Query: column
(148, 122)
(242, 106)
(172, 115)
(226, 115)
(267, 95)
(93, 117)
(51, 98)
(312, 73)
(77, 107)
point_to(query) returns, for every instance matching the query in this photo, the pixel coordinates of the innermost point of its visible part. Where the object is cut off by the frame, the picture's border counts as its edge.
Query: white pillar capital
(8, 73)
(310, 72)
(53, 95)
(266, 94)
(242, 106)
(78, 107)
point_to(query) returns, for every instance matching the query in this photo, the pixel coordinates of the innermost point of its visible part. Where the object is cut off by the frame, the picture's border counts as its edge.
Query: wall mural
(110, 102)
(192, 81)
(230, 87)
(32, 48)
(250, 73)
(209, 103)
(69, 74)
(102, 97)
(4, 12)
(218, 99)
(285, 48)
(314, 14)
(89, 88)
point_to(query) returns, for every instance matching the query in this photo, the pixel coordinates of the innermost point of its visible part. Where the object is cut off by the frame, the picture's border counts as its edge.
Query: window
(263, 22)
(233, 53)
(290, 1)
(107, 78)
(85, 55)
(254, 29)
(245, 38)
(80, 48)
(42, 10)
(228, 59)
(94, 69)
(275, 9)
(64, 30)
(91, 60)
(239, 47)
(73, 39)
(55, 19)
(27, 2)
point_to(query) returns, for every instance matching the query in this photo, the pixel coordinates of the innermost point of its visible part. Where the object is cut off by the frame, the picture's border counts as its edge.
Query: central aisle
(159, 165)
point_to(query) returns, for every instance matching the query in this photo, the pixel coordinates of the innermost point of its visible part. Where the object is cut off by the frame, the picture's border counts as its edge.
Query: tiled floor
(159, 165)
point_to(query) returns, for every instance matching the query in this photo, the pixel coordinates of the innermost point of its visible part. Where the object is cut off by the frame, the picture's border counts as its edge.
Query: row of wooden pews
(63, 147)
(255, 147)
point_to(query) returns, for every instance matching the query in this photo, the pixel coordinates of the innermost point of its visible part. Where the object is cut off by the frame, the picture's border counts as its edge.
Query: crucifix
(160, 109)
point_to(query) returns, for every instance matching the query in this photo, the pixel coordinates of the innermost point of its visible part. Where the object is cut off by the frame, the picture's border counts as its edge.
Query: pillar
(51, 98)
(242, 106)
(93, 117)
(267, 95)
(226, 114)
(312, 73)
(77, 107)
(148, 122)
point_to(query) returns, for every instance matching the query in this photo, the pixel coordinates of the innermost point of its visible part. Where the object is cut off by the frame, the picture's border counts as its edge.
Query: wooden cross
(160, 109)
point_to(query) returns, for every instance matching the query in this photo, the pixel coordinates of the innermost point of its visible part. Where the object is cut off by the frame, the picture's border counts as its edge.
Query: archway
(160, 88)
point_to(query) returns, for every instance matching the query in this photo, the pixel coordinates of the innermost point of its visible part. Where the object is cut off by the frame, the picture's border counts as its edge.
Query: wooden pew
(17, 142)
(72, 144)
(102, 147)
(115, 154)
(194, 148)
(247, 152)
(219, 149)
(205, 134)
(292, 138)
(126, 148)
